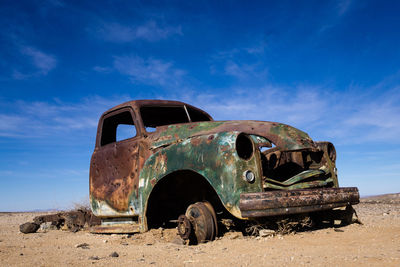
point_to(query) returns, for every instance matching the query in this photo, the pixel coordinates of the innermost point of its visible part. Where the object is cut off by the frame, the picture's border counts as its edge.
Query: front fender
(212, 156)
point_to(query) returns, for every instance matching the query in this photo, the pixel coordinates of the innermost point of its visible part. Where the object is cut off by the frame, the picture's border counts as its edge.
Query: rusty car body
(179, 165)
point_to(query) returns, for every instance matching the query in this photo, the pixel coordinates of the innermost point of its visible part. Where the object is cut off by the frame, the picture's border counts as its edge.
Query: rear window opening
(154, 116)
(117, 128)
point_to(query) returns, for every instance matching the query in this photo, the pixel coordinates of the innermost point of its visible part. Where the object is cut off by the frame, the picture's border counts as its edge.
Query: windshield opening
(154, 116)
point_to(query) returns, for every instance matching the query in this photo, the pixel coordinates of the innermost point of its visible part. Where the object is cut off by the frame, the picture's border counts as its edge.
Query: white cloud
(17, 75)
(38, 63)
(101, 69)
(245, 64)
(42, 61)
(256, 49)
(343, 6)
(245, 71)
(149, 71)
(345, 118)
(55, 118)
(376, 117)
(267, 103)
(150, 31)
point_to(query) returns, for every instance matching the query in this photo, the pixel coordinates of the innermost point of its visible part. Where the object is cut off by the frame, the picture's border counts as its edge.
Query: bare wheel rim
(202, 221)
(214, 215)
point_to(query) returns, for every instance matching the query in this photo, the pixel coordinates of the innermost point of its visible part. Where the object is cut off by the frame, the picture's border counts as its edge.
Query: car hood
(285, 137)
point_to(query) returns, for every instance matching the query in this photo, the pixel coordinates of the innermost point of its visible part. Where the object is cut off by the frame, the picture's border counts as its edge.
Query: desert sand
(376, 242)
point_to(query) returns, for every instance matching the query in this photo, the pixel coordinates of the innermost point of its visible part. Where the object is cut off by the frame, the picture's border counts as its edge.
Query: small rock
(83, 245)
(234, 235)
(385, 214)
(124, 244)
(21, 254)
(95, 258)
(266, 232)
(114, 254)
(45, 226)
(29, 227)
(105, 241)
(338, 230)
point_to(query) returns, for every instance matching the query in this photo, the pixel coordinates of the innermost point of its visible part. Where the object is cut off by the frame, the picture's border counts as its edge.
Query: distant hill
(387, 198)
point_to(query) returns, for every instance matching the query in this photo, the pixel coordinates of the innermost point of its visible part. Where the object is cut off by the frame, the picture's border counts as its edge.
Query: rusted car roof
(136, 104)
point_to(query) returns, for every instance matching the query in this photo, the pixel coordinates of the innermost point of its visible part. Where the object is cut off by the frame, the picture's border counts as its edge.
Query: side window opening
(118, 127)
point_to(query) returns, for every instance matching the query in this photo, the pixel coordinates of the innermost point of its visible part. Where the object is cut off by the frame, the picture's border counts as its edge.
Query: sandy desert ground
(374, 243)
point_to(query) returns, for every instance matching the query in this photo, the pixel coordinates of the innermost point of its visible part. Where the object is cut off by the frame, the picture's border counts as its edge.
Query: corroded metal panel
(285, 137)
(214, 157)
(114, 177)
(282, 202)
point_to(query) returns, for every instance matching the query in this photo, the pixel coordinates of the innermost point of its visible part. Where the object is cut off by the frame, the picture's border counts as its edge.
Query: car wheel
(199, 224)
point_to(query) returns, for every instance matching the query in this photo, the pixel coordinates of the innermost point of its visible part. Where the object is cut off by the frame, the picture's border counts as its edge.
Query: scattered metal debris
(70, 220)
(83, 246)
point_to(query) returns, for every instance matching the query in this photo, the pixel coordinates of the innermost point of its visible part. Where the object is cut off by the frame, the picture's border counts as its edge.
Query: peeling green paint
(216, 160)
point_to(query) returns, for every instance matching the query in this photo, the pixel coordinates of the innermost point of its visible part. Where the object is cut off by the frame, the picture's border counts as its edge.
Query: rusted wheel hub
(203, 222)
(184, 227)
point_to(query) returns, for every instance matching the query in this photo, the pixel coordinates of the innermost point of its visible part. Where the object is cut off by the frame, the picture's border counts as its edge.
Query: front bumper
(282, 202)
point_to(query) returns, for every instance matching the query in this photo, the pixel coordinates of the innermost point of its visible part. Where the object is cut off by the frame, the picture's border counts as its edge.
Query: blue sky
(330, 68)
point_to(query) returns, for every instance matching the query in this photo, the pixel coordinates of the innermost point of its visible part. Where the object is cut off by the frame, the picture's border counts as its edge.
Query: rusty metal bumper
(282, 202)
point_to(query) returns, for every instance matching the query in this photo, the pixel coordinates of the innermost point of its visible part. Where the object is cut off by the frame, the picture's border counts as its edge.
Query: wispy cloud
(346, 118)
(245, 71)
(42, 62)
(377, 118)
(271, 103)
(101, 69)
(148, 71)
(244, 63)
(150, 31)
(55, 118)
(343, 6)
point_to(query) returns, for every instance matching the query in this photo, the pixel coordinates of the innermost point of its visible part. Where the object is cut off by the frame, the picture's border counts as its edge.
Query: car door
(114, 164)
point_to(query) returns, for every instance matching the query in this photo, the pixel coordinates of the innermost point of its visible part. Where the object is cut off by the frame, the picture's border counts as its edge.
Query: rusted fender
(285, 137)
(214, 157)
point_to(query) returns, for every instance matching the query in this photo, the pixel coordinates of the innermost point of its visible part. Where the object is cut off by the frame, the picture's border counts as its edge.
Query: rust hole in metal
(244, 146)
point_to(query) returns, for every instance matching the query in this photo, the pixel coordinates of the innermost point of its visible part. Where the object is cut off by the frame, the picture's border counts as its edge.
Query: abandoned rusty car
(158, 163)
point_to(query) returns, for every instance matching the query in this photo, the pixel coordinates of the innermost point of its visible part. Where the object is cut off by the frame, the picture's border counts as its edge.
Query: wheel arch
(173, 193)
